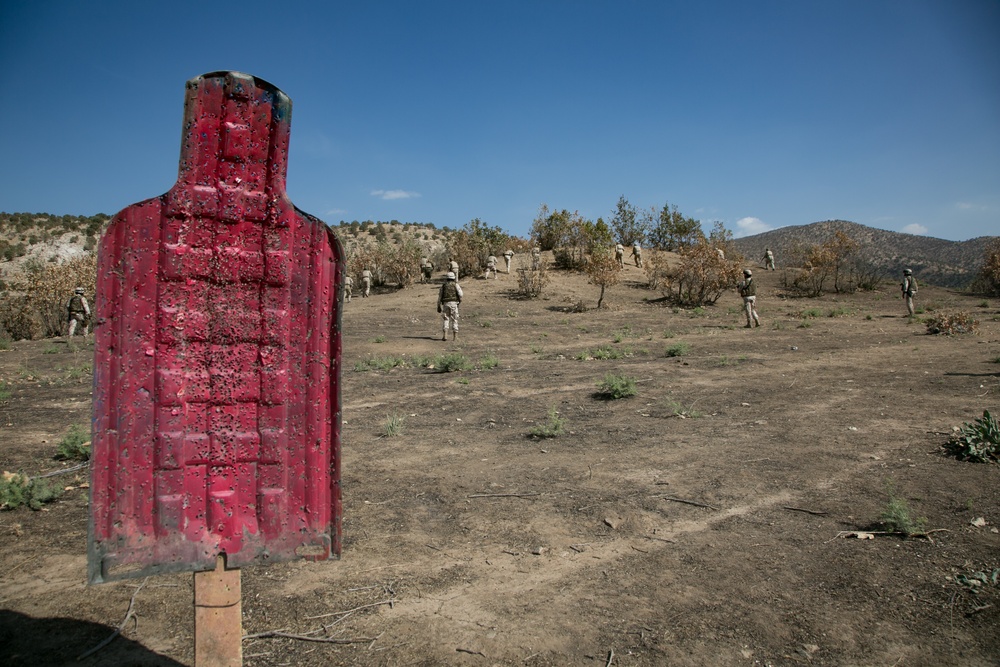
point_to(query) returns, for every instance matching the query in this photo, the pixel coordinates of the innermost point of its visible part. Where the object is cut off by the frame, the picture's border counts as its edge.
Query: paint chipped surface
(217, 363)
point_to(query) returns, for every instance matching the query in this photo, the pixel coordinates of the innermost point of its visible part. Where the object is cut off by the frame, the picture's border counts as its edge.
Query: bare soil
(469, 542)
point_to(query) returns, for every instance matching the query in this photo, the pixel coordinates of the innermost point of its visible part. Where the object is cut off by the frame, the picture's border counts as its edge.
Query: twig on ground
(802, 509)
(502, 495)
(471, 652)
(611, 656)
(351, 611)
(130, 613)
(271, 634)
(688, 502)
(660, 539)
(64, 471)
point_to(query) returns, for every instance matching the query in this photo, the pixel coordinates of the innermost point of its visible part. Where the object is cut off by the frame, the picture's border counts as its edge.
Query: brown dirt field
(468, 542)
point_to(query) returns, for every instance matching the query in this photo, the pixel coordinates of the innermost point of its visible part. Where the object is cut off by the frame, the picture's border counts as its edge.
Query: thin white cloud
(969, 206)
(335, 211)
(919, 230)
(750, 226)
(394, 194)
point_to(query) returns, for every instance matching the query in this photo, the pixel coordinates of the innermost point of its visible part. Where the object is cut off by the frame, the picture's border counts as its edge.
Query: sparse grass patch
(678, 409)
(977, 441)
(805, 324)
(615, 386)
(811, 313)
(449, 363)
(51, 349)
(75, 445)
(669, 334)
(393, 425)
(777, 326)
(379, 339)
(839, 312)
(17, 489)
(379, 364)
(486, 324)
(677, 350)
(950, 324)
(4, 391)
(897, 518)
(488, 361)
(551, 427)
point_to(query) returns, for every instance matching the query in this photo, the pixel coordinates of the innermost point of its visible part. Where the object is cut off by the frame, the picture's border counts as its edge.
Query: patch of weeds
(697, 311)
(510, 313)
(996, 360)
(379, 339)
(677, 350)
(17, 489)
(535, 349)
(75, 445)
(551, 427)
(669, 334)
(463, 380)
(488, 361)
(868, 317)
(974, 581)
(449, 363)
(805, 324)
(839, 312)
(677, 409)
(51, 349)
(977, 441)
(486, 324)
(951, 324)
(79, 372)
(393, 425)
(602, 352)
(4, 391)
(811, 313)
(896, 517)
(984, 304)
(777, 326)
(615, 386)
(5, 343)
(379, 364)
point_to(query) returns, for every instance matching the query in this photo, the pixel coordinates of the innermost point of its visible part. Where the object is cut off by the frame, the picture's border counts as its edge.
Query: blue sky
(758, 114)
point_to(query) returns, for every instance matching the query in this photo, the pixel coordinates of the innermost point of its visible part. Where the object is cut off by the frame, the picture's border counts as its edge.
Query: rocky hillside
(934, 261)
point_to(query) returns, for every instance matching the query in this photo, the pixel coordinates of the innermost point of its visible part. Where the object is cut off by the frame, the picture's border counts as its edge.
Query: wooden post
(218, 617)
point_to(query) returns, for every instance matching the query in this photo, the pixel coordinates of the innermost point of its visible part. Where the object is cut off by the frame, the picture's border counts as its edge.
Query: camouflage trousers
(366, 284)
(909, 303)
(506, 260)
(750, 310)
(449, 315)
(77, 319)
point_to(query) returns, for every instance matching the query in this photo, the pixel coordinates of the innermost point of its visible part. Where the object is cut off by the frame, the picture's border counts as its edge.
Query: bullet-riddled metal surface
(217, 364)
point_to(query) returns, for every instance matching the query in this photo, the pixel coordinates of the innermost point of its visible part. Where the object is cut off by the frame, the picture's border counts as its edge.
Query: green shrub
(677, 350)
(75, 445)
(617, 386)
(448, 363)
(17, 489)
(552, 427)
(978, 441)
(488, 361)
(812, 313)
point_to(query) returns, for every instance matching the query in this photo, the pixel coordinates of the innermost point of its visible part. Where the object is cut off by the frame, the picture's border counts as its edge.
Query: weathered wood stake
(218, 617)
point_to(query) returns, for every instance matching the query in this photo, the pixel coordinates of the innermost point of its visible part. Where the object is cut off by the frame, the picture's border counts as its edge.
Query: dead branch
(64, 471)
(688, 502)
(274, 634)
(471, 652)
(129, 614)
(503, 495)
(660, 539)
(389, 602)
(611, 656)
(802, 509)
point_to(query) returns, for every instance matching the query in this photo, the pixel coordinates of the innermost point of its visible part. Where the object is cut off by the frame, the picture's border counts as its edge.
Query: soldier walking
(77, 312)
(909, 290)
(348, 288)
(748, 290)
(366, 283)
(453, 267)
(491, 265)
(507, 256)
(448, 299)
(426, 269)
(768, 259)
(637, 254)
(620, 255)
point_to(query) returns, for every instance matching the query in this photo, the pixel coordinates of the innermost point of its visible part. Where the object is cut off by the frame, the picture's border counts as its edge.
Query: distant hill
(934, 261)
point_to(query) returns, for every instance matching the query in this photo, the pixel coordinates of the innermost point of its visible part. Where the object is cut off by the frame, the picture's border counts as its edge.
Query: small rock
(540, 551)
(978, 522)
(793, 348)
(613, 522)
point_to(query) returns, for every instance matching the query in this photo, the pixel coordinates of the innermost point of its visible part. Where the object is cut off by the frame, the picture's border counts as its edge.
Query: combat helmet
(78, 290)
(747, 272)
(907, 272)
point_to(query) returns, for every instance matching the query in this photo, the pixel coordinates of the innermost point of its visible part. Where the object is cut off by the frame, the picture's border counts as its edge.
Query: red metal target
(217, 363)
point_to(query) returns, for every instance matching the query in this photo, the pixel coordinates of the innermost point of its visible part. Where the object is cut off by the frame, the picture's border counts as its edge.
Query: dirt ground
(469, 542)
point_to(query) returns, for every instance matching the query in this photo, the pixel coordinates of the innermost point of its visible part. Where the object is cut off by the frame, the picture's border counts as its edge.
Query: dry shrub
(950, 324)
(603, 270)
(701, 277)
(389, 264)
(987, 281)
(531, 281)
(35, 306)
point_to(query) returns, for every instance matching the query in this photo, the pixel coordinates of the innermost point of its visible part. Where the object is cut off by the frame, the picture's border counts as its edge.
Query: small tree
(987, 280)
(702, 275)
(603, 270)
(673, 231)
(627, 226)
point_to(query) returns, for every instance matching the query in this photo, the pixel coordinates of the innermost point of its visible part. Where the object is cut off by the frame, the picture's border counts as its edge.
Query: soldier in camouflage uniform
(909, 290)
(491, 265)
(426, 269)
(507, 256)
(620, 255)
(366, 282)
(637, 254)
(348, 288)
(77, 311)
(449, 298)
(748, 290)
(768, 259)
